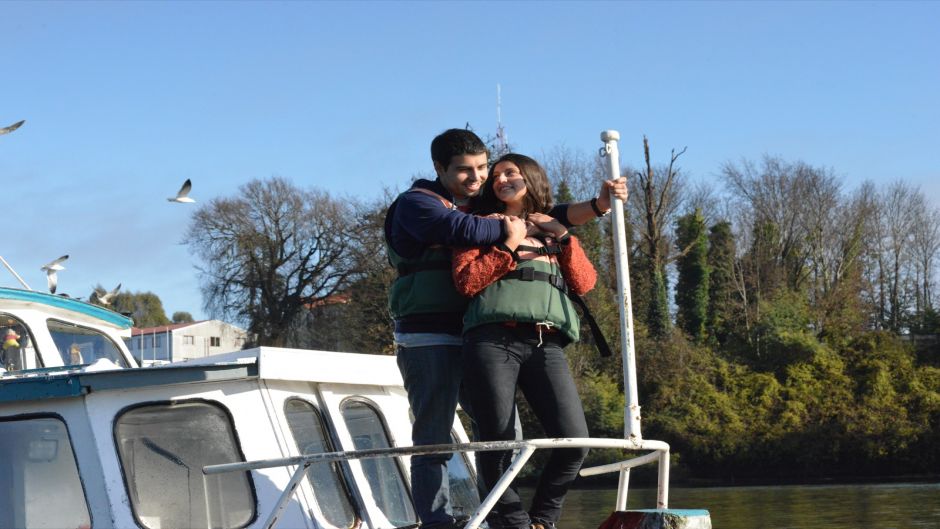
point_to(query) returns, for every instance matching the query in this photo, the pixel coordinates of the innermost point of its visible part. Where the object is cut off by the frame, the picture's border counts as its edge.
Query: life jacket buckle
(526, 274)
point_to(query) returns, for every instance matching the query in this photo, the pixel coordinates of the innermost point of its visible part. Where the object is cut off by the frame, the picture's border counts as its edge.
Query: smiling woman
(515, 329)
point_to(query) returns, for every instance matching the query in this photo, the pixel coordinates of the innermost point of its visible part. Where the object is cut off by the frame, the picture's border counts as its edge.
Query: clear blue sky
(125, 100)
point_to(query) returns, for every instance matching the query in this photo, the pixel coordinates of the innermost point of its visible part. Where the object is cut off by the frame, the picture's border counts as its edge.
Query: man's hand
(617, 188)
(548, 224)
(515, 232)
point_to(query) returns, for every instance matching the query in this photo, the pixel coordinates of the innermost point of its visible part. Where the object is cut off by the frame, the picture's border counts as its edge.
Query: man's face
(464, 175)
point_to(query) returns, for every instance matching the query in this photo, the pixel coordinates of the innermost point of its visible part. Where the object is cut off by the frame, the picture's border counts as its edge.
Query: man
(421, 226)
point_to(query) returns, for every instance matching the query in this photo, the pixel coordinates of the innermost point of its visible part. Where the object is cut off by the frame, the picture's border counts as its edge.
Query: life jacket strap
(541, 250)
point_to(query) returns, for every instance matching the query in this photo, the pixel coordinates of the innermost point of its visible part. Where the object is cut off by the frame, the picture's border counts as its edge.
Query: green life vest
(425, 284)
(525, 299)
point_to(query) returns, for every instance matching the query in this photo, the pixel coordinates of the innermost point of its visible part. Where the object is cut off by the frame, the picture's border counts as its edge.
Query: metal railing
(658, 452)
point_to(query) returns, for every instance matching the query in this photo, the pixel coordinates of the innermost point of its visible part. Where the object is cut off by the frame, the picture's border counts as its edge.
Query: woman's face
(508, 184)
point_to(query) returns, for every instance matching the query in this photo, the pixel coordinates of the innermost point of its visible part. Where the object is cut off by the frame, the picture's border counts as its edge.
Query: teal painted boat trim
(676, 512)
(658, 519)
(73, 305)
(42, 387)
(77, 383)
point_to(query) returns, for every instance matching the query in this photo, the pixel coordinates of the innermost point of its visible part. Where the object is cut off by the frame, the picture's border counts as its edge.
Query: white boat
(112, 445)
(256, 438)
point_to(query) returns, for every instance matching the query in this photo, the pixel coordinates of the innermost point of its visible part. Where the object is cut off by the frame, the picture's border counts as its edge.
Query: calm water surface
(778, 507)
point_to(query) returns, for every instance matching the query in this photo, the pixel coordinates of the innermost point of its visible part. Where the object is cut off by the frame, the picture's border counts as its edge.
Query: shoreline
(641, 481)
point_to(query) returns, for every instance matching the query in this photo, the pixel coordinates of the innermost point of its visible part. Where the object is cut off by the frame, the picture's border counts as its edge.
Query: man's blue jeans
(432, 376)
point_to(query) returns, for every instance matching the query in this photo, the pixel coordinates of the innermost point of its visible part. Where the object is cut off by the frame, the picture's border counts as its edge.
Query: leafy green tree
(692, 286)
(145, 308)
(891, 405)
(182, 317)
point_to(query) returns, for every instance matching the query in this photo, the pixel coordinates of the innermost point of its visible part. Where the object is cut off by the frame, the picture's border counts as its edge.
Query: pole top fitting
(610, 135)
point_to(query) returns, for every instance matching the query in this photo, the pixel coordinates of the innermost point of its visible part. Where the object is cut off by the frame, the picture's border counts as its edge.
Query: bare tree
(896, 226)
(656, 203)
(271, 252)
(776, 195)
(840, 237)
(925, 244)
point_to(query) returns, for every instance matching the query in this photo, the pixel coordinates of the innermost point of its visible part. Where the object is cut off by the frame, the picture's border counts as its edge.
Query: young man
(421, 227)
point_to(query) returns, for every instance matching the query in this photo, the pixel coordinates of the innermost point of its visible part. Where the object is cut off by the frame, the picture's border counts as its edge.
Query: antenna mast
(501, 142)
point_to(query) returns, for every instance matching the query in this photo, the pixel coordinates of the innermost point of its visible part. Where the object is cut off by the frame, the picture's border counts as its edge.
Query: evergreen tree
(657, 316)
(721, 255)
(692, 286)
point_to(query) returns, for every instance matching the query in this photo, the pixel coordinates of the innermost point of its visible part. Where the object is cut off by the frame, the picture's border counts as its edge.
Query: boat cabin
(125, 448)
(42, 330)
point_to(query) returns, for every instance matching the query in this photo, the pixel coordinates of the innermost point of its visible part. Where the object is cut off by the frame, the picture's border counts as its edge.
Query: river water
(888, 506)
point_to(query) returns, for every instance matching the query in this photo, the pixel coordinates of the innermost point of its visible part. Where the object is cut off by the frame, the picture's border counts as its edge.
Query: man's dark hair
(455, 142)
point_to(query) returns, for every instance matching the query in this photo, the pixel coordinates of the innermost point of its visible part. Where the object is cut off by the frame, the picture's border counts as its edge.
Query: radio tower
(501, 144)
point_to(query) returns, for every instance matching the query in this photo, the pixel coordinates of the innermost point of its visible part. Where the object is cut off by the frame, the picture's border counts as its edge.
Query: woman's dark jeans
(498, 359)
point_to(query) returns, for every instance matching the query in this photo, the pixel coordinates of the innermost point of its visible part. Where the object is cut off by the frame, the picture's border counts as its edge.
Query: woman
(514, 331)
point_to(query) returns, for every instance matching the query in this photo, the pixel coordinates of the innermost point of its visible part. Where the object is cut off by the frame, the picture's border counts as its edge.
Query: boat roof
(262, 362)
(42, 300)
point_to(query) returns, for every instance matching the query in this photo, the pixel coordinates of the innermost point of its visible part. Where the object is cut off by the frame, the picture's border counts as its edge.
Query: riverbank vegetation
(785, 325)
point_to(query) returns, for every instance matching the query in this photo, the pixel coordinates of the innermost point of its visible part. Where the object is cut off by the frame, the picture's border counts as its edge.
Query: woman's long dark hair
(538, 196)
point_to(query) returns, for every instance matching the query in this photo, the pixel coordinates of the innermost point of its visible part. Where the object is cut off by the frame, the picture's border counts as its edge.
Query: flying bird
(183, 194)
(11, 128)
(105, 297)
(50, 269)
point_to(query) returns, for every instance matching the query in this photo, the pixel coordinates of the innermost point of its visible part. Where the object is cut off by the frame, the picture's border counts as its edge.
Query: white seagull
(11, 128)
(50, 269)
(183, 194)
(105, 297)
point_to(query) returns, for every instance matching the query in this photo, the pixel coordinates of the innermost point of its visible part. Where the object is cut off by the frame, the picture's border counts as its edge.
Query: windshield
(81, 345)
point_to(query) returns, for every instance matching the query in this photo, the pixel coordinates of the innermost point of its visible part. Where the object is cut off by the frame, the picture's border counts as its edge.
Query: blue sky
(125, 100)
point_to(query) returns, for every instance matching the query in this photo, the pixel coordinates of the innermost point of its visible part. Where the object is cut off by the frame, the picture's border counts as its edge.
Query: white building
(182, 341)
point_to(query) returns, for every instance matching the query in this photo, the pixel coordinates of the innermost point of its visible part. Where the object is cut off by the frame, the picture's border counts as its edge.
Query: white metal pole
(631, 422)
(12, 271)
(622, 487)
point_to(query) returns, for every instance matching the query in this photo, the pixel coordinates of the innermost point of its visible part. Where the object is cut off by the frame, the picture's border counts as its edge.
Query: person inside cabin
(421, 226)
(515, 329)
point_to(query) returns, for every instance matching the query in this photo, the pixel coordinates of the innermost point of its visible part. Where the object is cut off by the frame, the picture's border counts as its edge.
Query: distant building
(182, 341)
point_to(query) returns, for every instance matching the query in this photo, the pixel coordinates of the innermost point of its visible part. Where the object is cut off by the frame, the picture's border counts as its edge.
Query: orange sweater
(477, 268)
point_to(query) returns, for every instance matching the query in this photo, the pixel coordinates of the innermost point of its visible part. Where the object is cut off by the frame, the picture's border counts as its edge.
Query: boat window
(82, 345)
(326, 479)
(37, 467)
(383, 474)
(464, 497)
(163, 448)
(18, 351)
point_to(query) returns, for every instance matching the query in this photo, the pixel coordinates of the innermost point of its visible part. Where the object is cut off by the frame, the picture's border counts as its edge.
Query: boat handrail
(658, 452)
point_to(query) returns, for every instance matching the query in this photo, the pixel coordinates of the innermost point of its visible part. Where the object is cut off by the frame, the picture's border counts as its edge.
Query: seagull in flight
(105, 297)
(183, 194)
(50, 269)
(11, 128)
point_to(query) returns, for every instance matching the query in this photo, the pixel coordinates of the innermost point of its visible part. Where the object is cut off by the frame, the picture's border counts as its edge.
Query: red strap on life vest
(447, 203)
